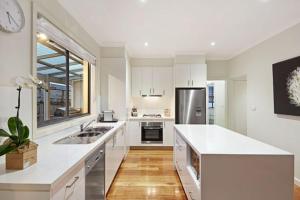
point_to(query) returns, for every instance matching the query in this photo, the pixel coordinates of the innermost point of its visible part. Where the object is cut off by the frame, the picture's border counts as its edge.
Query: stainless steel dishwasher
(95, 175)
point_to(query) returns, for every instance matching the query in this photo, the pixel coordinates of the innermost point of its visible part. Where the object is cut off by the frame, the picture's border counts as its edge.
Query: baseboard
(151, 148)
(297, 181)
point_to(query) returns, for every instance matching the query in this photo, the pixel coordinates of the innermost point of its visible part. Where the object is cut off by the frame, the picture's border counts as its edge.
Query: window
(211, 98)
(67, 77)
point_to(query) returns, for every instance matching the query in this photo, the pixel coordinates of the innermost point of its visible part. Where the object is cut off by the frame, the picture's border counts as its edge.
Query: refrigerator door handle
(198, 112)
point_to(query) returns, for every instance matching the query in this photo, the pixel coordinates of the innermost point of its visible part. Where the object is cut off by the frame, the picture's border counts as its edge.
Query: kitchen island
(216, 163)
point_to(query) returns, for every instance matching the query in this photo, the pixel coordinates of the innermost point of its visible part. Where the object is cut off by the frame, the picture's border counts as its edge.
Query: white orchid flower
(30, 82)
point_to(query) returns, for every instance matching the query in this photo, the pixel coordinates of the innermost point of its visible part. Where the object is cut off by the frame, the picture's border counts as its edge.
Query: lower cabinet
(115, 149)
(168, 133)
(72, 187)
(135, 131)
(181, 161)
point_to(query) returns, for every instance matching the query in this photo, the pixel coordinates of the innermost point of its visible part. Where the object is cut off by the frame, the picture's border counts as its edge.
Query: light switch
(253, 108)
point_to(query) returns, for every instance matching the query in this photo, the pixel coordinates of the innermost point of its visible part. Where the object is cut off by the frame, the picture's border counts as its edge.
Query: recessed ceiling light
(212, 44)
(143, 1)
(42, 36)
(146, 44)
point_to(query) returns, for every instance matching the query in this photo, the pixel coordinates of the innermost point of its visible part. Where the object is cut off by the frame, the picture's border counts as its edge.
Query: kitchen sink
(87, 136)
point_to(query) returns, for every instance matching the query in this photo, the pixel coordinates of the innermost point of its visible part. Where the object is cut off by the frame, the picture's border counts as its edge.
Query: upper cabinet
(190, 75)
(136, 81)
(162, 81)
(182, 75)
(152, 81)
(147, 83)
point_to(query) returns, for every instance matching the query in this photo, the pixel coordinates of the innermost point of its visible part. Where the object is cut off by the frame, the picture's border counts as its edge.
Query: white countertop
(212, 139)
(140, 118)
(54, 160)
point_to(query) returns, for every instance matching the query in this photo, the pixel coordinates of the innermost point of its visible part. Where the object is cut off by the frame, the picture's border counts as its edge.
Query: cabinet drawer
(71, 186)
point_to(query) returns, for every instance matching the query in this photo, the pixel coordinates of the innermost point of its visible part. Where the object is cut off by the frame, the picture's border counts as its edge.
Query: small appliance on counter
(167, 112)
(134, 112)
(107, 116)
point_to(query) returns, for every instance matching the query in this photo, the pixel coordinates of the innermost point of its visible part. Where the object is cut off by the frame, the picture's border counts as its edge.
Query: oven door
(152, 133)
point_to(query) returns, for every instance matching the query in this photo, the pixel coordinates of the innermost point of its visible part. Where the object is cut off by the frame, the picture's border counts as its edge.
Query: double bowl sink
(86, 136)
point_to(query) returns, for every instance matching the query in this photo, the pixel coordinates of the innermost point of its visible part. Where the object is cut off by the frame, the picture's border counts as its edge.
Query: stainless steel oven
(152, 132)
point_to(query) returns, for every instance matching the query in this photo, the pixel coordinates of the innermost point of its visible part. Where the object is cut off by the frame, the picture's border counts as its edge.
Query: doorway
(217, 100)
(238, 105)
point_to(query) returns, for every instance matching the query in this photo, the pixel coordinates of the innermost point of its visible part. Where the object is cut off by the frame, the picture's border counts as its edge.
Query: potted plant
(19, 150)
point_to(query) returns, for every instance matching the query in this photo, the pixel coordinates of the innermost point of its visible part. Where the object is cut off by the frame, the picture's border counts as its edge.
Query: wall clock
(12, 18)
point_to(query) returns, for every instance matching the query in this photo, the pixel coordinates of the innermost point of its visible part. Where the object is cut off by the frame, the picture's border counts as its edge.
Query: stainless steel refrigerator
(190, 106)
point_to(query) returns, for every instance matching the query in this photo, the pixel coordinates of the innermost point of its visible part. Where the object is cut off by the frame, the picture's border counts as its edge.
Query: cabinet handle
(190, 193)
(71, 185)
(192, 82)
(153, 90)
(188, 82)
(150, 90)
(141, 92)
(114, 141)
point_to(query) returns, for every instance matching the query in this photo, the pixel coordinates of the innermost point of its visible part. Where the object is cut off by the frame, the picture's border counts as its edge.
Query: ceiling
(173, 27)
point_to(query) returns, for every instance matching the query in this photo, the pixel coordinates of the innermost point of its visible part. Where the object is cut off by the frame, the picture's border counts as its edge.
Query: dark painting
(286, 85)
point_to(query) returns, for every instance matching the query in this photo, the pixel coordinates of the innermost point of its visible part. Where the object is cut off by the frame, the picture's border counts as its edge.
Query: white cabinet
(134, 133)
(135, 138)
(114, 154)
(182, 75)
(147, 83)
(136, 81)
(180, 153)
(162, 81)
(181, 160)
(168, 133)
(190, 75)
(71, 187)
(109, 162)
(155, 81)
(120, 146)
(198, 75)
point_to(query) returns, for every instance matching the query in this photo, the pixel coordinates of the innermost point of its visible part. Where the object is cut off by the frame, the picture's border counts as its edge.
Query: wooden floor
(149, 174)
(297, 193)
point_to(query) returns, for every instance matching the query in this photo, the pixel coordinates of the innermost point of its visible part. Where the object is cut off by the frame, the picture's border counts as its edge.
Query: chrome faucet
(82, 127)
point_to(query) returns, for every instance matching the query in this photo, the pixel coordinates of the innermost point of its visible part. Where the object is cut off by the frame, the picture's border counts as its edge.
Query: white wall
(114, 63)
(237, 117)
(16, 49)
(117, 97)
(256, 63)
(217, 69)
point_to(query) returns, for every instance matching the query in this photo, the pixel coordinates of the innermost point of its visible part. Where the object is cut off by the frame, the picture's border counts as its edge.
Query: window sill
(54, 128)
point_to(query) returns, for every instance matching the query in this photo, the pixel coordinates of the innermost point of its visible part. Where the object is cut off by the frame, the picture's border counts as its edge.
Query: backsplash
(153, 105)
